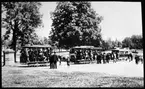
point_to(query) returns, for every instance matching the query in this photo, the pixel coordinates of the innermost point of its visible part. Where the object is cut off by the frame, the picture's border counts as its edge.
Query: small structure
(8, 57)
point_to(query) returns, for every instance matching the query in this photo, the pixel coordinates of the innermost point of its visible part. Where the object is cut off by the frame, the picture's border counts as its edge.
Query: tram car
(83, 54)
(35, 54)
(122, 53)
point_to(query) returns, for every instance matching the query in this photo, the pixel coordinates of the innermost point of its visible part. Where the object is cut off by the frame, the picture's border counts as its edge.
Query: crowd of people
(46, 55)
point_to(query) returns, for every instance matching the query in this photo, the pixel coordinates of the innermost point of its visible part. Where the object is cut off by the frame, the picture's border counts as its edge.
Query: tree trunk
(14, 44)
(15, 39)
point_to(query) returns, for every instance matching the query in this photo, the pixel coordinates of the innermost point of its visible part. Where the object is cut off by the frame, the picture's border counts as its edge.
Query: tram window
(72, 51)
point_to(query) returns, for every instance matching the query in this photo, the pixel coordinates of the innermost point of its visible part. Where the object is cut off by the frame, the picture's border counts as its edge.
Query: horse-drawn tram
(35, 54)
(123, 54)
(83, 54)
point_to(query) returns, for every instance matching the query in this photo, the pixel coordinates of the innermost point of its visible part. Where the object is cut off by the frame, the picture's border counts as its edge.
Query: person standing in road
(55, 58)
(104, 58)
(131, 57)
(113, 57)
(53, 61)
(68, 61)
(136, 59)
(117, 56)
(59, 58)
(99, 58)
(108, 57)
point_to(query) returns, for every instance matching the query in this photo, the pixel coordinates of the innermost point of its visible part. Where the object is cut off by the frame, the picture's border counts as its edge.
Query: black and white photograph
(72, 44)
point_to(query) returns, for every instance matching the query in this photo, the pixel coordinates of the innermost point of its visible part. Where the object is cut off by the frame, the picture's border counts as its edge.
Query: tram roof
(38, 46)
(86, 47)
(119, 49)
(97, 47)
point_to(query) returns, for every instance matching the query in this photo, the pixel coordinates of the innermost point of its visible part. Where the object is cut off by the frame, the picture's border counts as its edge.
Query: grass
(45, 77)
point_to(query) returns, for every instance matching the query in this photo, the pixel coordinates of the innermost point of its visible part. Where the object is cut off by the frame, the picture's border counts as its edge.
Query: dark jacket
(53, 58)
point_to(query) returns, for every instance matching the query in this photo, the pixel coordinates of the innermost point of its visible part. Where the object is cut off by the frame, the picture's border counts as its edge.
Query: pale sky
(121, 19)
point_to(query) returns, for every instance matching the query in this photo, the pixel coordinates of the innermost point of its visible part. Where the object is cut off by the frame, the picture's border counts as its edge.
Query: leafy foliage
(127, 42)
(109, 44)
(75, 23)
(20, 19)
(135, 42)
(36, 40)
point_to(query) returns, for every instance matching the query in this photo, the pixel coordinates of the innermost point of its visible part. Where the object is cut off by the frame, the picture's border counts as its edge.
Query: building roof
(8, 50)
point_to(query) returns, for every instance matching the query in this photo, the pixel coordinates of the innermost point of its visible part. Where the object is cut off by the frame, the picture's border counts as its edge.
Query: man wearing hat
(53, 61)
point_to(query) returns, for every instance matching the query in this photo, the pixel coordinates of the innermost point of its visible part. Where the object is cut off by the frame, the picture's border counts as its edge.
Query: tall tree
(20, 19)
(75, 23)
(133, 42)
(137, 41)
(105, 45)
(117, 43)
(46, 41)
(127, 42)
(109, 44)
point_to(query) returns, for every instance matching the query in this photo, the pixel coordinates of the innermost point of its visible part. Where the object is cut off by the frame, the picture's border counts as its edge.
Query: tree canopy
(20, 19)
(75, 23)
(133, 42)
(109, 44)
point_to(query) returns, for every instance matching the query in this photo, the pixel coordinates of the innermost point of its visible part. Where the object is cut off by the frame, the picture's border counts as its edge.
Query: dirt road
(122, 68)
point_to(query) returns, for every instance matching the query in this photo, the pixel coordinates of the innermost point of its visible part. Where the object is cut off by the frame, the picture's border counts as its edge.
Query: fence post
(15, 56)
(4, 58)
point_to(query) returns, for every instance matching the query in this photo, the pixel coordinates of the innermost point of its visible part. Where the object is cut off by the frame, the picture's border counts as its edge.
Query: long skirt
(68, 63)
(52, 65)
(55, 65)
